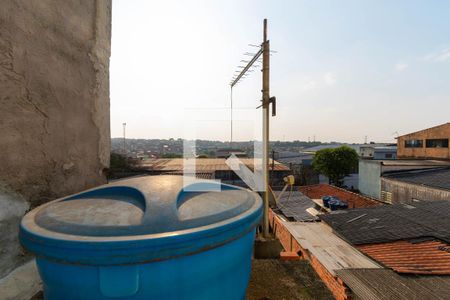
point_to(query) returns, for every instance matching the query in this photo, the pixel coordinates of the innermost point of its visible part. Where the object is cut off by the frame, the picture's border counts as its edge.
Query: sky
(343, 70)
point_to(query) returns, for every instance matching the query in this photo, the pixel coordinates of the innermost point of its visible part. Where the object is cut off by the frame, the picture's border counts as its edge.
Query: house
(377, 152)
(417, 185)
(371, 171)
(430, 143)
(372, 251)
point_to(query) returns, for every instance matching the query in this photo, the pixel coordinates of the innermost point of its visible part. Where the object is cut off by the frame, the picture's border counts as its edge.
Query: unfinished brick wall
(354, 200)
(337, 287)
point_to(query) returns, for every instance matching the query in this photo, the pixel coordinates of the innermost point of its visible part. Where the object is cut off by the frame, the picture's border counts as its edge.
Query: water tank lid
(150, 210)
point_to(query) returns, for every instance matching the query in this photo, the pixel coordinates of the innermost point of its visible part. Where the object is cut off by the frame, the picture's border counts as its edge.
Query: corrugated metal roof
(202, 165)
(429, 257)
(437, 178)
(377, 284)
(390, 223)
(294, 205)
(200, 175)
(317, 191)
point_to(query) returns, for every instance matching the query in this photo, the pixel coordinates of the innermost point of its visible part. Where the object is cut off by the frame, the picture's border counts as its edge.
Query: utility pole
(264, 51)
(124, 140)
(231, 118)
(273, 168)
(265, 111)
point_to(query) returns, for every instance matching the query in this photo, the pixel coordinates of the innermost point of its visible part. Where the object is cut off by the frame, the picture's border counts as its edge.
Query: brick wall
(337, 287)
(438, 132)
(354, 200)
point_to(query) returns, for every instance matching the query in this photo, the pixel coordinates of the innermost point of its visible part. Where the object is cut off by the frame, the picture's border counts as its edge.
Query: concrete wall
(438, 132)
(369, 182)
(403, 192)
(54, 98)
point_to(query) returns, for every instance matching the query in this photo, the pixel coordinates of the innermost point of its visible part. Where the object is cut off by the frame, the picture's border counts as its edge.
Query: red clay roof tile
(430, 257)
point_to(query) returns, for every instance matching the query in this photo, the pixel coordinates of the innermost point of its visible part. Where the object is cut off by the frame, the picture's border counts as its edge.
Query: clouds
(308, 85)
(329, 78)
(326, 80)
(400, 67)
(442, 55)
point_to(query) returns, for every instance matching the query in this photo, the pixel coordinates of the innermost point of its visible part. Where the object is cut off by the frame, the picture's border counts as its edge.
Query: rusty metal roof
(200, 175)
(202, 164)
(428, 257)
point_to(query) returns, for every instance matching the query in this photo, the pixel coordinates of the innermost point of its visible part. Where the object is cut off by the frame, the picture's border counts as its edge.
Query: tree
(336, 163)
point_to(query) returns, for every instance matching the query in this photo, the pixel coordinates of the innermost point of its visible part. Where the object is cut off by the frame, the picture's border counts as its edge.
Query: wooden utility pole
(265, 112)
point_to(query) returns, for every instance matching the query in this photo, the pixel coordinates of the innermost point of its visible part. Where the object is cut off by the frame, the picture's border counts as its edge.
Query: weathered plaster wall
(369, 182)
(54, 99)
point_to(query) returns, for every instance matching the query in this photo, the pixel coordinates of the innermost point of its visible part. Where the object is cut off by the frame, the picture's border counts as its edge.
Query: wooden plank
(332, 252)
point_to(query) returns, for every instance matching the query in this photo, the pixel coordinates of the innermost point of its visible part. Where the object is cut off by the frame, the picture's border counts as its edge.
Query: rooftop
(437, 178)
(317, 191)
(409, 162)
(330, 250)
(295, 205)
(372, 284)
(201, 164)
(390, 223)
(426, 129)
(422, 257)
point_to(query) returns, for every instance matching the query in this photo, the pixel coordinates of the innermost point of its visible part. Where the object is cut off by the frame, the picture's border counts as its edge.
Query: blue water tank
(333, 203)
(343, 205)
(326, 200)
(145, 238)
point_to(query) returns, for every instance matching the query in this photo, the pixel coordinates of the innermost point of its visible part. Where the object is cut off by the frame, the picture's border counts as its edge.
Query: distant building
(365, 151)
(371, 171)
(226, 152)
(214, 168)
(300, 165)
(416, 186)
(430, 143)
(377, 152)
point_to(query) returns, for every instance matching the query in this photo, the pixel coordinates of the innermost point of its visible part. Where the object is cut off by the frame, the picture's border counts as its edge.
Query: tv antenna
(264, 52)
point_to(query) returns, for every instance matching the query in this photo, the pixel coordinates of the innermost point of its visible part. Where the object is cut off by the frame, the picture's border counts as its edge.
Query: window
(413, 143)
(388, 155)
(437, 143)
(386, 197)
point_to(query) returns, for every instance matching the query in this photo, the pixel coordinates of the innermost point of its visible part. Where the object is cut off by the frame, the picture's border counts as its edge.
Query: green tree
(336, 163)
